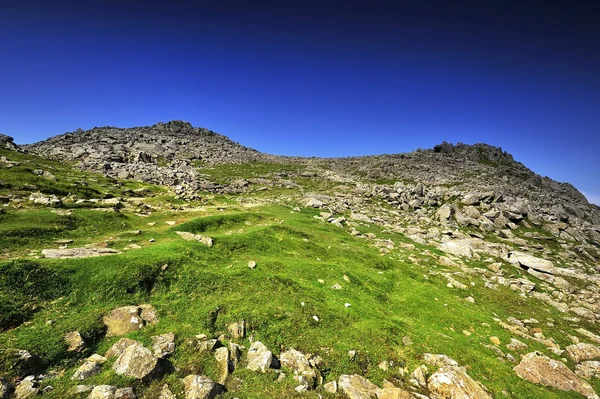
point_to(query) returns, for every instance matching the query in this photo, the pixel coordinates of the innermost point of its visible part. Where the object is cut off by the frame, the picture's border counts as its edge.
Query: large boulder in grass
(259, 357)
(540, 369)
(453, 382)
(136, 362)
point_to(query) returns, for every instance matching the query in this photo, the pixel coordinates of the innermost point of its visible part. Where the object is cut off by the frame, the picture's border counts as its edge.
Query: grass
(197, 289)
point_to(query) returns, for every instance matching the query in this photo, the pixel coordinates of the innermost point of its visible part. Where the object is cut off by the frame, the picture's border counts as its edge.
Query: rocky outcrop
(7, 142)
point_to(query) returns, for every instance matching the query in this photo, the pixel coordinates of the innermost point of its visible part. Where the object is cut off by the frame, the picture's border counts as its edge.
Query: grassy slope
(203, 289)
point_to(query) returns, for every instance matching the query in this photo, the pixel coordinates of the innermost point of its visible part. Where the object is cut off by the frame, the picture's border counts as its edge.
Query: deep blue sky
(318, 78)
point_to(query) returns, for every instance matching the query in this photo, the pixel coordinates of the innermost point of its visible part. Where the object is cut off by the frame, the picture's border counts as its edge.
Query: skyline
(317, 80)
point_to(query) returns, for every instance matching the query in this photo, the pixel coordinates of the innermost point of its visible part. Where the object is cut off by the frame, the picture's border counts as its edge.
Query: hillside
(170, 262)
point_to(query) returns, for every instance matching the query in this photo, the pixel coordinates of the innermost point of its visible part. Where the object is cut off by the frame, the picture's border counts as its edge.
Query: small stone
(75, 341)
(252, 264)
(495, 340)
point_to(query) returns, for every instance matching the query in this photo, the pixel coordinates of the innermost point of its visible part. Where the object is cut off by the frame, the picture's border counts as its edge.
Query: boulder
(462, 247)
(357, 387)
(125, 393)
(119, 347)
(223, 364)
(587, 369)
(444, 213)
(540, 369)
(163, 345)
(201, 387)
(453, 382)
(127, 319)
(259, 357)
(314, 203)
(136, 362)
(103, 392)
(27, 388)
(580, 352)
(237, 330)
(359, 217)
(165, 393)
(527, 261)
(86, 370)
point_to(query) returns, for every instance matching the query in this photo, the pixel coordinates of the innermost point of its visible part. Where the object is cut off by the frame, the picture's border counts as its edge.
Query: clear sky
(316, 78)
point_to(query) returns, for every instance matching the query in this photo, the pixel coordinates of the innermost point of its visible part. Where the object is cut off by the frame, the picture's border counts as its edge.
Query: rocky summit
(168, 261)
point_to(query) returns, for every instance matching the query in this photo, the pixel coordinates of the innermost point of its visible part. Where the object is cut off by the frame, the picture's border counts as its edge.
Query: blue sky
(316, 79)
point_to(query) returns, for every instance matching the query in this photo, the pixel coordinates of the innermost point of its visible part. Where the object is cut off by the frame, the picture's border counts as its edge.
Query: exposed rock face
(453, 382)
(541, 369)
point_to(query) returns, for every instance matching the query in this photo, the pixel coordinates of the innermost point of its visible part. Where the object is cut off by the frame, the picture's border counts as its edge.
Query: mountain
(168, 261)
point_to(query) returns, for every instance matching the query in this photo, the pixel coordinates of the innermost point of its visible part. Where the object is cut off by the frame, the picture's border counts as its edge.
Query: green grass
(197, 289)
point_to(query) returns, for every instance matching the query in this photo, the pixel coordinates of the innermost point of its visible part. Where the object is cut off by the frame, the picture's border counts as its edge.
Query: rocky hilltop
(173, 153)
